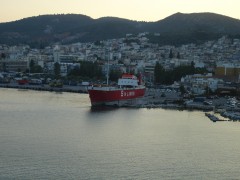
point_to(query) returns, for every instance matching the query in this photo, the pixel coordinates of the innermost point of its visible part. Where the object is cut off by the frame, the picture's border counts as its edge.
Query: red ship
(129, 90)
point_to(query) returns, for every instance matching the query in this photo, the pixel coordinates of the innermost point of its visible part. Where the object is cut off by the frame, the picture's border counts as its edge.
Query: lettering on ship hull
(127, 94)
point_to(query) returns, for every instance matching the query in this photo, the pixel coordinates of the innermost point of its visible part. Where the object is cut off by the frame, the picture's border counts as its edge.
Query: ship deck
(112, 88)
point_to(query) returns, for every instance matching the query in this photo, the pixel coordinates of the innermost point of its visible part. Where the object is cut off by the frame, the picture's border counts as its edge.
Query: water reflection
(101, 109)
(46, 136)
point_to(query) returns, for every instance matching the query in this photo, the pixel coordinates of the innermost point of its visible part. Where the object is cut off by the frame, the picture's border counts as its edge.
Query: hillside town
(131, 54)
(134, 53)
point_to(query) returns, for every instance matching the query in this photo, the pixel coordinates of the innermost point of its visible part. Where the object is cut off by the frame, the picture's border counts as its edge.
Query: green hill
(176, 29)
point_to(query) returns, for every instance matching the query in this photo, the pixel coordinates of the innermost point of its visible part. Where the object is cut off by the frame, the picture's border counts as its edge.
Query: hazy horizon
(152, 10)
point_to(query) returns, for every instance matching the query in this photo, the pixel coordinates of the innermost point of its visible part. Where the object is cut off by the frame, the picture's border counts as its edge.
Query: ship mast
(107, 71)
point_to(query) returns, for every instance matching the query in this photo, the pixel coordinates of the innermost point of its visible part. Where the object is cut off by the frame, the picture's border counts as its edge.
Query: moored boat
(129, 90)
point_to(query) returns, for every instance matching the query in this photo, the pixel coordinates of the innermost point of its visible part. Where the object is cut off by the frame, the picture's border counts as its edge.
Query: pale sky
(141, 10)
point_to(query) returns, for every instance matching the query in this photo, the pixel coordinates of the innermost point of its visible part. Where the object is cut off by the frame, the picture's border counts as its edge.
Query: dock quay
(66, 88)
(214, 118)
(232, 116)
(153, 99)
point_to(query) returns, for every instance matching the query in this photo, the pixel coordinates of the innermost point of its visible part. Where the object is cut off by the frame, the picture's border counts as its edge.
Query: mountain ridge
(68, 28)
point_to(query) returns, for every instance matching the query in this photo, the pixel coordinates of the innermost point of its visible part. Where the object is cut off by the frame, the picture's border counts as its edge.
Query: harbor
(228, 108)
(50, 135)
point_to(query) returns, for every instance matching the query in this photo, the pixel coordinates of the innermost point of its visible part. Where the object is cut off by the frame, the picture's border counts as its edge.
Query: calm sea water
(47, 135)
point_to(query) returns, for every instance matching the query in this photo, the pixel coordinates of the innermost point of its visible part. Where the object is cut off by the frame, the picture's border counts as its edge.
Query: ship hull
(119, 97)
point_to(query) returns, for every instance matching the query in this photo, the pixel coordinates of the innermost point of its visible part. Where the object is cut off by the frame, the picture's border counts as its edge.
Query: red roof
(127, 76)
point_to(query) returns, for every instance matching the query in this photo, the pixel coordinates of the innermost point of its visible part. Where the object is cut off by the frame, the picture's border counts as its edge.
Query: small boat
(212, 117)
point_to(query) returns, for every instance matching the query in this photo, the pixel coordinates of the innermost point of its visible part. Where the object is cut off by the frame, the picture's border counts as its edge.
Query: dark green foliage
(97, 43)
(174, 30)
(57, 70)
(158, 73)
(75, 72)
(129, 41)
(120, 61)
(200, 70)
(35, 68)
(4, 67)
(192, 64)
(178, 55)
(87, 69)
(31, 65)
(3, 56)
(171, 54)
(168, 77)
(114, 75)
(182, 89)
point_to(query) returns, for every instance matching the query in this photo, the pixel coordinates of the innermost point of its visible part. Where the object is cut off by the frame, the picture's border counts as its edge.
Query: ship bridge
(128, 80)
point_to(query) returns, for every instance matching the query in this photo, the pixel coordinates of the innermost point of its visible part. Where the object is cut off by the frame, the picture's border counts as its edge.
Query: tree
(4, 66)
(57, 70)
(168, 77)
(34, 68)
(182, 89)
(178, 55)
(3, 55)
(120, 61)
(171, 54)
(37, 69)
(31, 65)
(158, 72)
(192, 64)
(114, 75)
(87, 69)
(96, 70)
(192, 67)
(75, 71)
(97, 43)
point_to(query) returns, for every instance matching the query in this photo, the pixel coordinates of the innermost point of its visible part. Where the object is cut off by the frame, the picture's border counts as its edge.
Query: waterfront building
(228, 70)
(13, 65)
